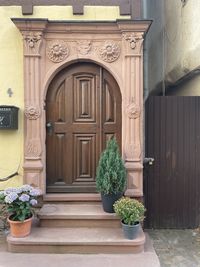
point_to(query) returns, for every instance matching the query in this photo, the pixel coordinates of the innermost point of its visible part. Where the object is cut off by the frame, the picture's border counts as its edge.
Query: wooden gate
(172, 184)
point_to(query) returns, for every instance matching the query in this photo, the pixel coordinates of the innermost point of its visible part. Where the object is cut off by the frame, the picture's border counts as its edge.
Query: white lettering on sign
(5, 109)
(1, 120)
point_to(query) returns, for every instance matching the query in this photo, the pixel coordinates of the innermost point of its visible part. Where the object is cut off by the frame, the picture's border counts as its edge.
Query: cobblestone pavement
(177, 248)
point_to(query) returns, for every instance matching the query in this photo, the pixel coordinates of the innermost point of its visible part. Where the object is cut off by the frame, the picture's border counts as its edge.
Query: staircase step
(77, 215)
(76, 240)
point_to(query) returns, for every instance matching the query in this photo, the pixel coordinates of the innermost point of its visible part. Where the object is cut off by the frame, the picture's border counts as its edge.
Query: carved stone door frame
(50, 46)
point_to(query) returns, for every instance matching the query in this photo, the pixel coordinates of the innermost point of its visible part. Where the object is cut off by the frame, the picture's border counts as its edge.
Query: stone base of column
(134, 179)
(32, 172)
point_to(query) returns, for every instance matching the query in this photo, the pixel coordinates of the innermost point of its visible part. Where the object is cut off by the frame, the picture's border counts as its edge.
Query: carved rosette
(109, 52)
(57, 51)
(33, 149)
(84, 47)
(32, 112)
(133, 110)
(32, 42)
(133, 38)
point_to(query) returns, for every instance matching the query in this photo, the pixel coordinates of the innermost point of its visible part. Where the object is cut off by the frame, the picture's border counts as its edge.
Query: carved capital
(135, 39)
(32, 112)
(32, 42)
(84, 47)
(109, 51)
(57, 51)
(133, 110)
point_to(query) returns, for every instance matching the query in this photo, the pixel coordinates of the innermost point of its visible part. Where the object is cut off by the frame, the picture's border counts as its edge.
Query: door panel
(84, 98)
(111, 109)
(84, 109)
(84, 149)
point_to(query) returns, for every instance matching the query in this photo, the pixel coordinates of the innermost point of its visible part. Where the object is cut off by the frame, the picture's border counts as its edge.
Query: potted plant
(111, 175)
(131, 213)
(19, 203)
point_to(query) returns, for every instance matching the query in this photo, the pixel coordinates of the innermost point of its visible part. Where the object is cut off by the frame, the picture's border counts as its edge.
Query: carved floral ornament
(133, 110)
(57, 51)
(33, 148)
(109, 51)
(32, 112)
(133, 38)
(84, 47)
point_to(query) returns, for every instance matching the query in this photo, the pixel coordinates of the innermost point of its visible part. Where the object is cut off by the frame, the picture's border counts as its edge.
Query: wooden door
(83, 108)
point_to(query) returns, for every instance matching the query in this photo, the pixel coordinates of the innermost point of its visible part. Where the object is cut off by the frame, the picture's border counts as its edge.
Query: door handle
(149, 161)
(49, 127)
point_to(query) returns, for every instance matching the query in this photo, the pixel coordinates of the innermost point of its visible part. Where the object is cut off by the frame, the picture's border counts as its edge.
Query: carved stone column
(32, 39)
(133, 113)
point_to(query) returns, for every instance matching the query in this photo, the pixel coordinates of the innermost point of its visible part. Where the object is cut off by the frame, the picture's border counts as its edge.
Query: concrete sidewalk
(146, 259)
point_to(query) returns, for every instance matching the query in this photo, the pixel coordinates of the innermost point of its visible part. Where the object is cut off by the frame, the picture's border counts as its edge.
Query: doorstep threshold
(72, 197)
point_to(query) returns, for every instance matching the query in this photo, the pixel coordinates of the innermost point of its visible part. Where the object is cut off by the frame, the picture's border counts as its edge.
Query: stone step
(76, 240)
(77, 215)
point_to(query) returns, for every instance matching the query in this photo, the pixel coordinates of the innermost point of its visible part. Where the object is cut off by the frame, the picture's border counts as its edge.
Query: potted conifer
(111, 175)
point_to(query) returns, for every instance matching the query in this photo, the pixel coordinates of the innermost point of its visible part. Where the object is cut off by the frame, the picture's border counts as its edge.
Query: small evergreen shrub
(131, 211)
(111, 172)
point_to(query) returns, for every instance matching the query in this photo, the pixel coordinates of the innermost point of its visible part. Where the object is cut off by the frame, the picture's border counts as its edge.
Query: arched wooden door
(83, 110)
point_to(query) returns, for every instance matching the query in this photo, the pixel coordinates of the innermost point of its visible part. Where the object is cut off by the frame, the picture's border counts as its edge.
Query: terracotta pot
(20, 229)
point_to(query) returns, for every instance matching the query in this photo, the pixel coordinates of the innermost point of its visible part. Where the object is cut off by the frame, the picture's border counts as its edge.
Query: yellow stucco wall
(11, 76)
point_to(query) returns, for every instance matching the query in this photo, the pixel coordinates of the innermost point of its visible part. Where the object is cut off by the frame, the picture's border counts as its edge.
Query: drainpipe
(145, 75)
(145, 58)
(163, 47)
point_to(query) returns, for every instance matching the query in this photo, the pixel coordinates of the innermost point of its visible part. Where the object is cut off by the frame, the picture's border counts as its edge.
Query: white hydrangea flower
(10, 198)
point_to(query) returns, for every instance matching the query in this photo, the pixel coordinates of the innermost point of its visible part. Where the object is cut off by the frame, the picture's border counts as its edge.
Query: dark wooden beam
(78, 6)
(136, 9)
(27, 7)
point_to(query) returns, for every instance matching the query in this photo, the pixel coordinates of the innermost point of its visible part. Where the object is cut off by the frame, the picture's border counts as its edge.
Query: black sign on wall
(9, 117)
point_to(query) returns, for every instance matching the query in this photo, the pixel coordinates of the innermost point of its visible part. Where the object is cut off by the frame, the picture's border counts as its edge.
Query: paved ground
(177, 248)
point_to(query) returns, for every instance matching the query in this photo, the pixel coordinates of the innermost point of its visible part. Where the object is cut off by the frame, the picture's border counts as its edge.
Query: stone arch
(56, 69)
(118, 47)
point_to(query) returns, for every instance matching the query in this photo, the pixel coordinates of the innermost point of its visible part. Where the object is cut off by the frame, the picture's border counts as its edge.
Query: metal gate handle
(150, 161)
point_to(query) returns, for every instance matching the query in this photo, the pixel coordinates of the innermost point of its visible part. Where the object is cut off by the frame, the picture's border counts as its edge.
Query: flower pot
(130, 231)
(20, 228)
(109, 200)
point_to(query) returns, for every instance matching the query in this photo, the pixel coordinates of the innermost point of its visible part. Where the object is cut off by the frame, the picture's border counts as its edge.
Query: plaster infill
(126, 7)
(50, 46)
